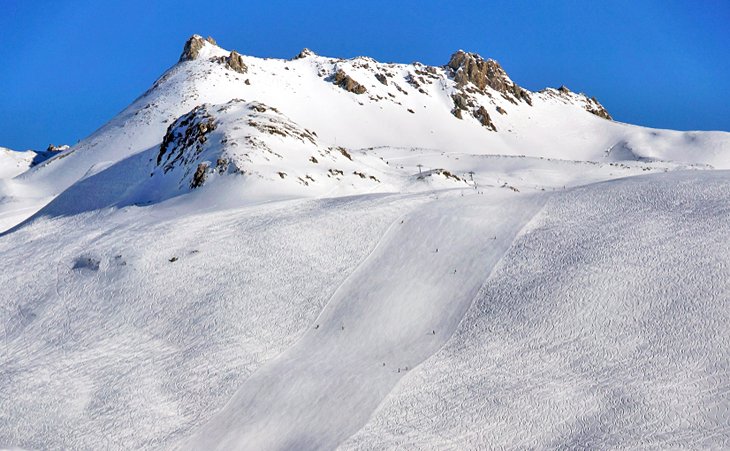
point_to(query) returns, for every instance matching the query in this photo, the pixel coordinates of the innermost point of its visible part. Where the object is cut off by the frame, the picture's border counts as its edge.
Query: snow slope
(394, 311)
(232, 259)
(575, 338)
(601, 328)
(18, 200)
(13, 162)
(108, 344)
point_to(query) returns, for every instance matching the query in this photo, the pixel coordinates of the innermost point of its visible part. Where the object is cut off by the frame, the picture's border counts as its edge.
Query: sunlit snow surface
(604, 326)
(604, 323)
(420, 283)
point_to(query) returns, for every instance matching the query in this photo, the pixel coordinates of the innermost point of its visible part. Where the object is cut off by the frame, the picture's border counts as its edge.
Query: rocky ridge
(256, 141)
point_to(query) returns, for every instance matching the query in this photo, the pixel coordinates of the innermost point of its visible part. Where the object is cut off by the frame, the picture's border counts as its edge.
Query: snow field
(398, 307)
(141, 351)
(605, 326)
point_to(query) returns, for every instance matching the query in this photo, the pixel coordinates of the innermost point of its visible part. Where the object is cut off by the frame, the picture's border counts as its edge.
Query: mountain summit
(314, 125)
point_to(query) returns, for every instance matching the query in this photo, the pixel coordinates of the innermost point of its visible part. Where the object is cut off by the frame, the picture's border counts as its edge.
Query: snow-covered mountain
(311, 253)
(358, 107)
(13, 162)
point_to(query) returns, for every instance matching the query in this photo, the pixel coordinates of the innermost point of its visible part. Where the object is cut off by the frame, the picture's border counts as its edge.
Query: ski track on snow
(398, 308)
(604, 326)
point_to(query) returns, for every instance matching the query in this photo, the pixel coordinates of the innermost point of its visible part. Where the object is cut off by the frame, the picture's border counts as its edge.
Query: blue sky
(66, 67)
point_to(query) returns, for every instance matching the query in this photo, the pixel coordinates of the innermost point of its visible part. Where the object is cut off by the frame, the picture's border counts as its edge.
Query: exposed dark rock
(305, 53)
(483, 117)
(234, 62)
(400, 89)
(592, 105)
(521, 94)
(347, 83)
(192, 48)
(461, 101)
(199, 176)
(447, 174)
(345, 153)
(185, 138)
(276, 125)
(211, 40)
(221, 165)
(596, 108)
(411, 80)
(472, 68)
(382, 79)
(501, 110)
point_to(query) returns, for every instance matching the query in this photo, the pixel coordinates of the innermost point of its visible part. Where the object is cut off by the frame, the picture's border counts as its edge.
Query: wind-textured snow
(109, 344)
(601, 328)
(394, 311)
(321, 253)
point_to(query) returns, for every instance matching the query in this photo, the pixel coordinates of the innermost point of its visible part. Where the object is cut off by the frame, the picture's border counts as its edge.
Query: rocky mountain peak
(472, 68)
(305, 53)
(193, 46)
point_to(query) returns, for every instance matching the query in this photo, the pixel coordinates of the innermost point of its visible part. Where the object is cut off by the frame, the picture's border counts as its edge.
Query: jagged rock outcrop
(258, 144)
(596, 108)
(234, 62)
(461, 101)
(185, 137)
(590, 104)
(305, 53)
(347, 83)
(199, 176)
(472, 68)
(482, 116)
(193, 46)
